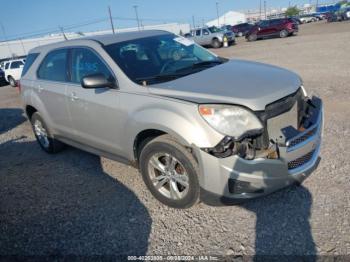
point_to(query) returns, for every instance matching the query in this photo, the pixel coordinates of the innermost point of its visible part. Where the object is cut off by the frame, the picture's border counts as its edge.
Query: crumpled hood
(240, 82)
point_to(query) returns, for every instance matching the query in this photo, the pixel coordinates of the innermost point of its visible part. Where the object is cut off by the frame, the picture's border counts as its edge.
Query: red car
(281, 27)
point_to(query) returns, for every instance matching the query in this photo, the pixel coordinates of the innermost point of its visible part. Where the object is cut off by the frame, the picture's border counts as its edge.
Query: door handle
(73, 96)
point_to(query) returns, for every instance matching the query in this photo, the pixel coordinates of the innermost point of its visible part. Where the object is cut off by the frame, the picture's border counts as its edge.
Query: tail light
(18, 87)
(289, 25)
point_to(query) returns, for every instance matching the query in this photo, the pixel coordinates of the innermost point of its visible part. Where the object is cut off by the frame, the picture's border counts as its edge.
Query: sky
(24, 18)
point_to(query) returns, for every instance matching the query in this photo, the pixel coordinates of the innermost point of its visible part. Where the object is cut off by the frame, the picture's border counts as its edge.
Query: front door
(94, 112)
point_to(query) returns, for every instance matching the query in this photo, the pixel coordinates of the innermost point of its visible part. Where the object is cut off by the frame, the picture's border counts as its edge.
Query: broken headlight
(230, 120)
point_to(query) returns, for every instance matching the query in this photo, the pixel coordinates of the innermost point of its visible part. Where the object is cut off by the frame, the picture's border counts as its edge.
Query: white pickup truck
(13, 70)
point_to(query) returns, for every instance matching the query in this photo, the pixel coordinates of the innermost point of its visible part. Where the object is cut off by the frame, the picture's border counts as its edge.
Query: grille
(302, 138)
(300, 161)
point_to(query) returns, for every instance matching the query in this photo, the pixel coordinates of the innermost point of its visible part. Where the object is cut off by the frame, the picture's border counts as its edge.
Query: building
(229, 18)
(21, 47)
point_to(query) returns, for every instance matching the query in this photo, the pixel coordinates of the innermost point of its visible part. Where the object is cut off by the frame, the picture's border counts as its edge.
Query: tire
(252, 38)
(284, 33)
(216, 43)
(43, 136)
(165, 163)
(12, 81)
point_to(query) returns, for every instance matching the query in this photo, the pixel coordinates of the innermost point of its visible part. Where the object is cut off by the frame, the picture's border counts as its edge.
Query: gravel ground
(81, 204)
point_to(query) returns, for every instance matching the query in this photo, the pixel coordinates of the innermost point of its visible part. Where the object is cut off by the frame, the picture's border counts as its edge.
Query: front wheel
(283, 33)
(170, 172)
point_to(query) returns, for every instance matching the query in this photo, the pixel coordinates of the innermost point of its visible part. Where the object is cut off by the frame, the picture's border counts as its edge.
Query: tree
(292, 11)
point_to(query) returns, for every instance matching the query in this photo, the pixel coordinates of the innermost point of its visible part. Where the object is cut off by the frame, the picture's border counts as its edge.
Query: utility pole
(260, 11)
(24, 50)
(193, 22)
(5, 38)
(265, 9)
(110, 18)
(217, 13)
(137, 17)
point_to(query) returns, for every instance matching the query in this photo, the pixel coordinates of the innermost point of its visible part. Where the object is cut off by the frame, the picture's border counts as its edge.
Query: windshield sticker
(184, 41)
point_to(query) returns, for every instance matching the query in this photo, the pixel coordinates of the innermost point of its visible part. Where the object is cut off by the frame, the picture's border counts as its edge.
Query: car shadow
(65, 204)
(10, 118)
(282, 229)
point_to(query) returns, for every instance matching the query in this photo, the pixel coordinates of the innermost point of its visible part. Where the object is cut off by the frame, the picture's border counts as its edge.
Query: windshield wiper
(158, 78)
(203, 64)
(206, 63)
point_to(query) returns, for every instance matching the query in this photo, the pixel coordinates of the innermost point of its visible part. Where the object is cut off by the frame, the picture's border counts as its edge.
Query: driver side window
(85, 62)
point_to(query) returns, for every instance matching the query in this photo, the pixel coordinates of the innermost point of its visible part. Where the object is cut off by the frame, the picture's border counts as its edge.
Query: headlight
(229, 120)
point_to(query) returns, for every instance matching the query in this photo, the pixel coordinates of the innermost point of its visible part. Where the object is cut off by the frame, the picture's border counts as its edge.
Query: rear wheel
(216, 43)
(43, 136)
(12, 81)
(252, 38)
(170, 172)
(283, 33)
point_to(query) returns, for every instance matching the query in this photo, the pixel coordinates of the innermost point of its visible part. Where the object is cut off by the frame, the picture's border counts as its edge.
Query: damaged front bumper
(234, 179)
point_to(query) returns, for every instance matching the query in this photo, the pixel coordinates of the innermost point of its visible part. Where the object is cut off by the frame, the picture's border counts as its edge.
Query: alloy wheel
(41, 134)
(168, 176)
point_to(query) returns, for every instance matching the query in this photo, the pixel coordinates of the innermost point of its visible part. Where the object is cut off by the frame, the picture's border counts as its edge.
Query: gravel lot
(77, 203)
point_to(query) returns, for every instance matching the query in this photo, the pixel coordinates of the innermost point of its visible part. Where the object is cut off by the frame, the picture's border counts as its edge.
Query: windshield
(160, 58)
(214, 29)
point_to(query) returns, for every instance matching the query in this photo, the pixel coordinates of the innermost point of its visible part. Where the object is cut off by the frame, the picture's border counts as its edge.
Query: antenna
(110, 18)
(64, 35)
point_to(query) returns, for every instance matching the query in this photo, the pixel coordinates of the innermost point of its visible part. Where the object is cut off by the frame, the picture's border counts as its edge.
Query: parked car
(345, 14)
(13, 71)
(307, 19)
(2, 77)
(242, 29)
(180, 120)
(211, 36)
(335, 17)
(281, 27)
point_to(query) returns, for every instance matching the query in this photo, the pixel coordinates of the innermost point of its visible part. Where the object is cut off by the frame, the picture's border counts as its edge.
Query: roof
(106, 39)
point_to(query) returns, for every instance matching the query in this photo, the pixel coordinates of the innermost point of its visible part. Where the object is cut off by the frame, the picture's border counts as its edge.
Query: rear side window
(7, 65)
(16, 64)
(54, 66)
(29, 61)
(85, 62)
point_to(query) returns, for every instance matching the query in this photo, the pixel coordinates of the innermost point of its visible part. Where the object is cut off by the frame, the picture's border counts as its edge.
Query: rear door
(94, 112)
(50, 87)
(16, 69)
(264, 28)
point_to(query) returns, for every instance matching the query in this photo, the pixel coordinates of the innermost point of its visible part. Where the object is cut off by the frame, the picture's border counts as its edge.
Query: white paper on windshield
(184, 41)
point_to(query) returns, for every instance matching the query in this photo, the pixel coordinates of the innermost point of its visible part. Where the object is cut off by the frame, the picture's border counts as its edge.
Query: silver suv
(168, 107)
(211, 36)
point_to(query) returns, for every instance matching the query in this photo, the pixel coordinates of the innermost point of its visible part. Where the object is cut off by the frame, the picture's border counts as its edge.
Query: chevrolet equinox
(167, 106)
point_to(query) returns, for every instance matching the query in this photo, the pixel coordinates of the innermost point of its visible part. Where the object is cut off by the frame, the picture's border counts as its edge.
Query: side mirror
(97, 81)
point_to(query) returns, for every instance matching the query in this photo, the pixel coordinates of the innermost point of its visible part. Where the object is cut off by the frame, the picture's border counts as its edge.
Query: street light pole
(217, 13)
(137, 17)
(265, 9)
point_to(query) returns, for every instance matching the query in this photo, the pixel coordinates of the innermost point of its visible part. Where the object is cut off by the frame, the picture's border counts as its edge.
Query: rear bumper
(237, 179)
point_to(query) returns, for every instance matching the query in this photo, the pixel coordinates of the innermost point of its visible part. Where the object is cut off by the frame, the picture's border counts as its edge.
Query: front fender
(180, 120)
